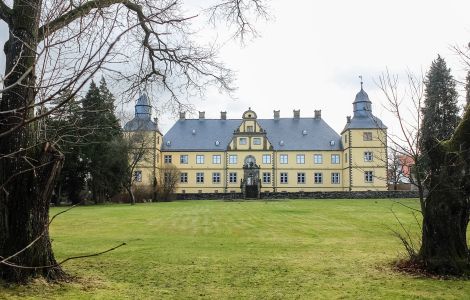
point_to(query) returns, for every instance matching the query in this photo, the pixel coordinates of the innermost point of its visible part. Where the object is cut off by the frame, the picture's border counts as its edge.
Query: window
(283, 177)
(266, 177)
(199, 159)
(167, 177)
(346, 138)
(300, 158)
(300, 177)
(138, 176)
(369, 176)
(232, 177)
(232, 159)
(167, 159)
(200, 177)
(283, 159)
(368, 156)
(184, 177)
(216, 159)
(335, 178)
(318, 177)
(256, 141)
(242, 141)
(183, 159)
(367, 136)
(345, 157)
(266, 158)
(249, 128)
(335, 158)
(216, 177)
(318, 159)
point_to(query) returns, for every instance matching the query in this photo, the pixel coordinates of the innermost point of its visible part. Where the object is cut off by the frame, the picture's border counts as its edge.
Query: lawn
(251, 250)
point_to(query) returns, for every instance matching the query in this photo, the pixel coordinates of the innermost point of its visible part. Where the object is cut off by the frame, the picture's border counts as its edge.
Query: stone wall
(304, 195)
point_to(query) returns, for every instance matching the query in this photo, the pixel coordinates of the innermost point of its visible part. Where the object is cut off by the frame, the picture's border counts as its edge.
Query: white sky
(310, 54)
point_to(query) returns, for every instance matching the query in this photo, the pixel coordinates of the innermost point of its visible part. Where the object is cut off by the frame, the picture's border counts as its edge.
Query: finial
(249, 108)
(360, 76)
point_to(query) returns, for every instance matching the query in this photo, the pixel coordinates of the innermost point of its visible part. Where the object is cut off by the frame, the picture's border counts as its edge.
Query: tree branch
(76, 13)
(5, 12)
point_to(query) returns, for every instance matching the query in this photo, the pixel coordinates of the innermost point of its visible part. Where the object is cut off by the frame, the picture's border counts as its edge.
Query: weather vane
(360, 76)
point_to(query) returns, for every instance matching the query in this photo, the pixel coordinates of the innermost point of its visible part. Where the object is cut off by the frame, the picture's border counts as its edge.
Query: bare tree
(168, 179)
(139, 150)
(446, 206)
(56, 46)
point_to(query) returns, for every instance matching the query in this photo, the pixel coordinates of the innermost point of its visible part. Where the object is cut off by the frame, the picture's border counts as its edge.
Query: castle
(253, 156)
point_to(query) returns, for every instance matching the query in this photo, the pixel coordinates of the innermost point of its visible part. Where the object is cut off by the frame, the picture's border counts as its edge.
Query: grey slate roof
(206, 133)
(288, 134)
(143, 116)
(368, 121)
(290, 131)
(141, 124)
(363, 117)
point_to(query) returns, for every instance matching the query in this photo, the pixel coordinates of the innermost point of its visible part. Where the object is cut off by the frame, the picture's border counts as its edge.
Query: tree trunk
(27, 170)
(444, 247)
(446, 211)
(131, 194)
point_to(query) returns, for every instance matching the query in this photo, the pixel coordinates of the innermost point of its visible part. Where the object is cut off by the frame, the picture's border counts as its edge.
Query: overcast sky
(309, 56)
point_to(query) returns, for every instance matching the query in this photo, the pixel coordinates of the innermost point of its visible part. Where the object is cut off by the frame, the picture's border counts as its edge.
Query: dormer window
(249, 128)
(217, 143)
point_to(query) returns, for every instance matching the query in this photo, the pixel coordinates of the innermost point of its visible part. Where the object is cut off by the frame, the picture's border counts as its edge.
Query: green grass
(255, 250)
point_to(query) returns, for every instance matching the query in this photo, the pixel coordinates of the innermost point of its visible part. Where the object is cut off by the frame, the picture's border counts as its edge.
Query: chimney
(223, 115)
(348, 119)
(296, 113)
(182, 115)
(318, 114)
(277, 114)
(202, 115)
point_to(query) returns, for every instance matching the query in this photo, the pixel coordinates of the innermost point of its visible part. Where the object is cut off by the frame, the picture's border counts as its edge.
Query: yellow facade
(233, 156)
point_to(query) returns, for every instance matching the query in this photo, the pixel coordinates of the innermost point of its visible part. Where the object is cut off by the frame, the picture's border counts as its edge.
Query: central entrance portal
(251, 183)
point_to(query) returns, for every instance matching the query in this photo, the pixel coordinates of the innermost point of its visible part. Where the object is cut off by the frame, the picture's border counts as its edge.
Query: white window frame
(216, 177)
(368, 176)
(335, 178)
(335, 159)
(283, 177)
(216, 159)
(199, 159)
(318, 178)
(138, 176)
(301, 178)
(184, 159)
(183, 177)
(200, 177)
(266, 158)
(283, 159)
(318, 159)
(266, 177)
(232, 177)
(167, 158)
(243, 141)
(368, 156)
(232, 159)
(300, 159)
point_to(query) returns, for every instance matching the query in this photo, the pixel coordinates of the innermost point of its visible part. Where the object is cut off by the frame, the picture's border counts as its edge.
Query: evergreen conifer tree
(102, 135)
(440, 113)
(444, 149)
